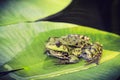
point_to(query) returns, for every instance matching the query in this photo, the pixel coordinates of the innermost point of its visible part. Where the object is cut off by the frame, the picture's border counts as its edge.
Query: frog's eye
(58, 44)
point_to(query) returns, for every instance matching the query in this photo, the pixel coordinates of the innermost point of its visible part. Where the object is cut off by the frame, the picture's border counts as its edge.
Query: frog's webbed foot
(61, 62)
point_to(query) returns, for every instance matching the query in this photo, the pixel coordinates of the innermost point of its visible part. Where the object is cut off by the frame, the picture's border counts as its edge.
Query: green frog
(71, 48)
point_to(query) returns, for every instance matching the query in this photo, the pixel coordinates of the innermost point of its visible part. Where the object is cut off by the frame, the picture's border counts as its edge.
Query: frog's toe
(60, 62)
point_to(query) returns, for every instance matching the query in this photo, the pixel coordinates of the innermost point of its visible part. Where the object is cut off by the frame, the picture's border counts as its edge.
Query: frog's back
(75, 40)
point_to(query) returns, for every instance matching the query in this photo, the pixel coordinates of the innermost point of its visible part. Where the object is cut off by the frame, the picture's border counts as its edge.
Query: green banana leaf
(15, 11)
(22, 46)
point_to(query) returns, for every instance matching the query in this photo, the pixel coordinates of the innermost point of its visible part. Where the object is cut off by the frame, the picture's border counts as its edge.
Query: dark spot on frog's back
(76, 44)
(72, 46)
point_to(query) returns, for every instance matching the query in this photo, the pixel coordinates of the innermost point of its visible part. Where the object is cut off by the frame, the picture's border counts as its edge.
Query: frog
(69, 49)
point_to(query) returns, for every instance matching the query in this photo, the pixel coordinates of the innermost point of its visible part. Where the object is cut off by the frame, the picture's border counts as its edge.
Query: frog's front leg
(71, 60)
(61, 61)
(95, 60)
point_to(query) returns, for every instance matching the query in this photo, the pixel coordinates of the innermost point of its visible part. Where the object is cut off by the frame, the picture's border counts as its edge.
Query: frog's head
(54, 44)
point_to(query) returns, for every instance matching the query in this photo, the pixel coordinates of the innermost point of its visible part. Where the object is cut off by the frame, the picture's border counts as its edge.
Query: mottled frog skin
(71, 48)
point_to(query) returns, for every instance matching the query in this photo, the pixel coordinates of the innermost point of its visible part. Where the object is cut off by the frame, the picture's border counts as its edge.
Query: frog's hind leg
(95, 60)
(92, 61)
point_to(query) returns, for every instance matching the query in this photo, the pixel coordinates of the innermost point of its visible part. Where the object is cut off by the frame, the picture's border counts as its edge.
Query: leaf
(15, 11)
(23, 47)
